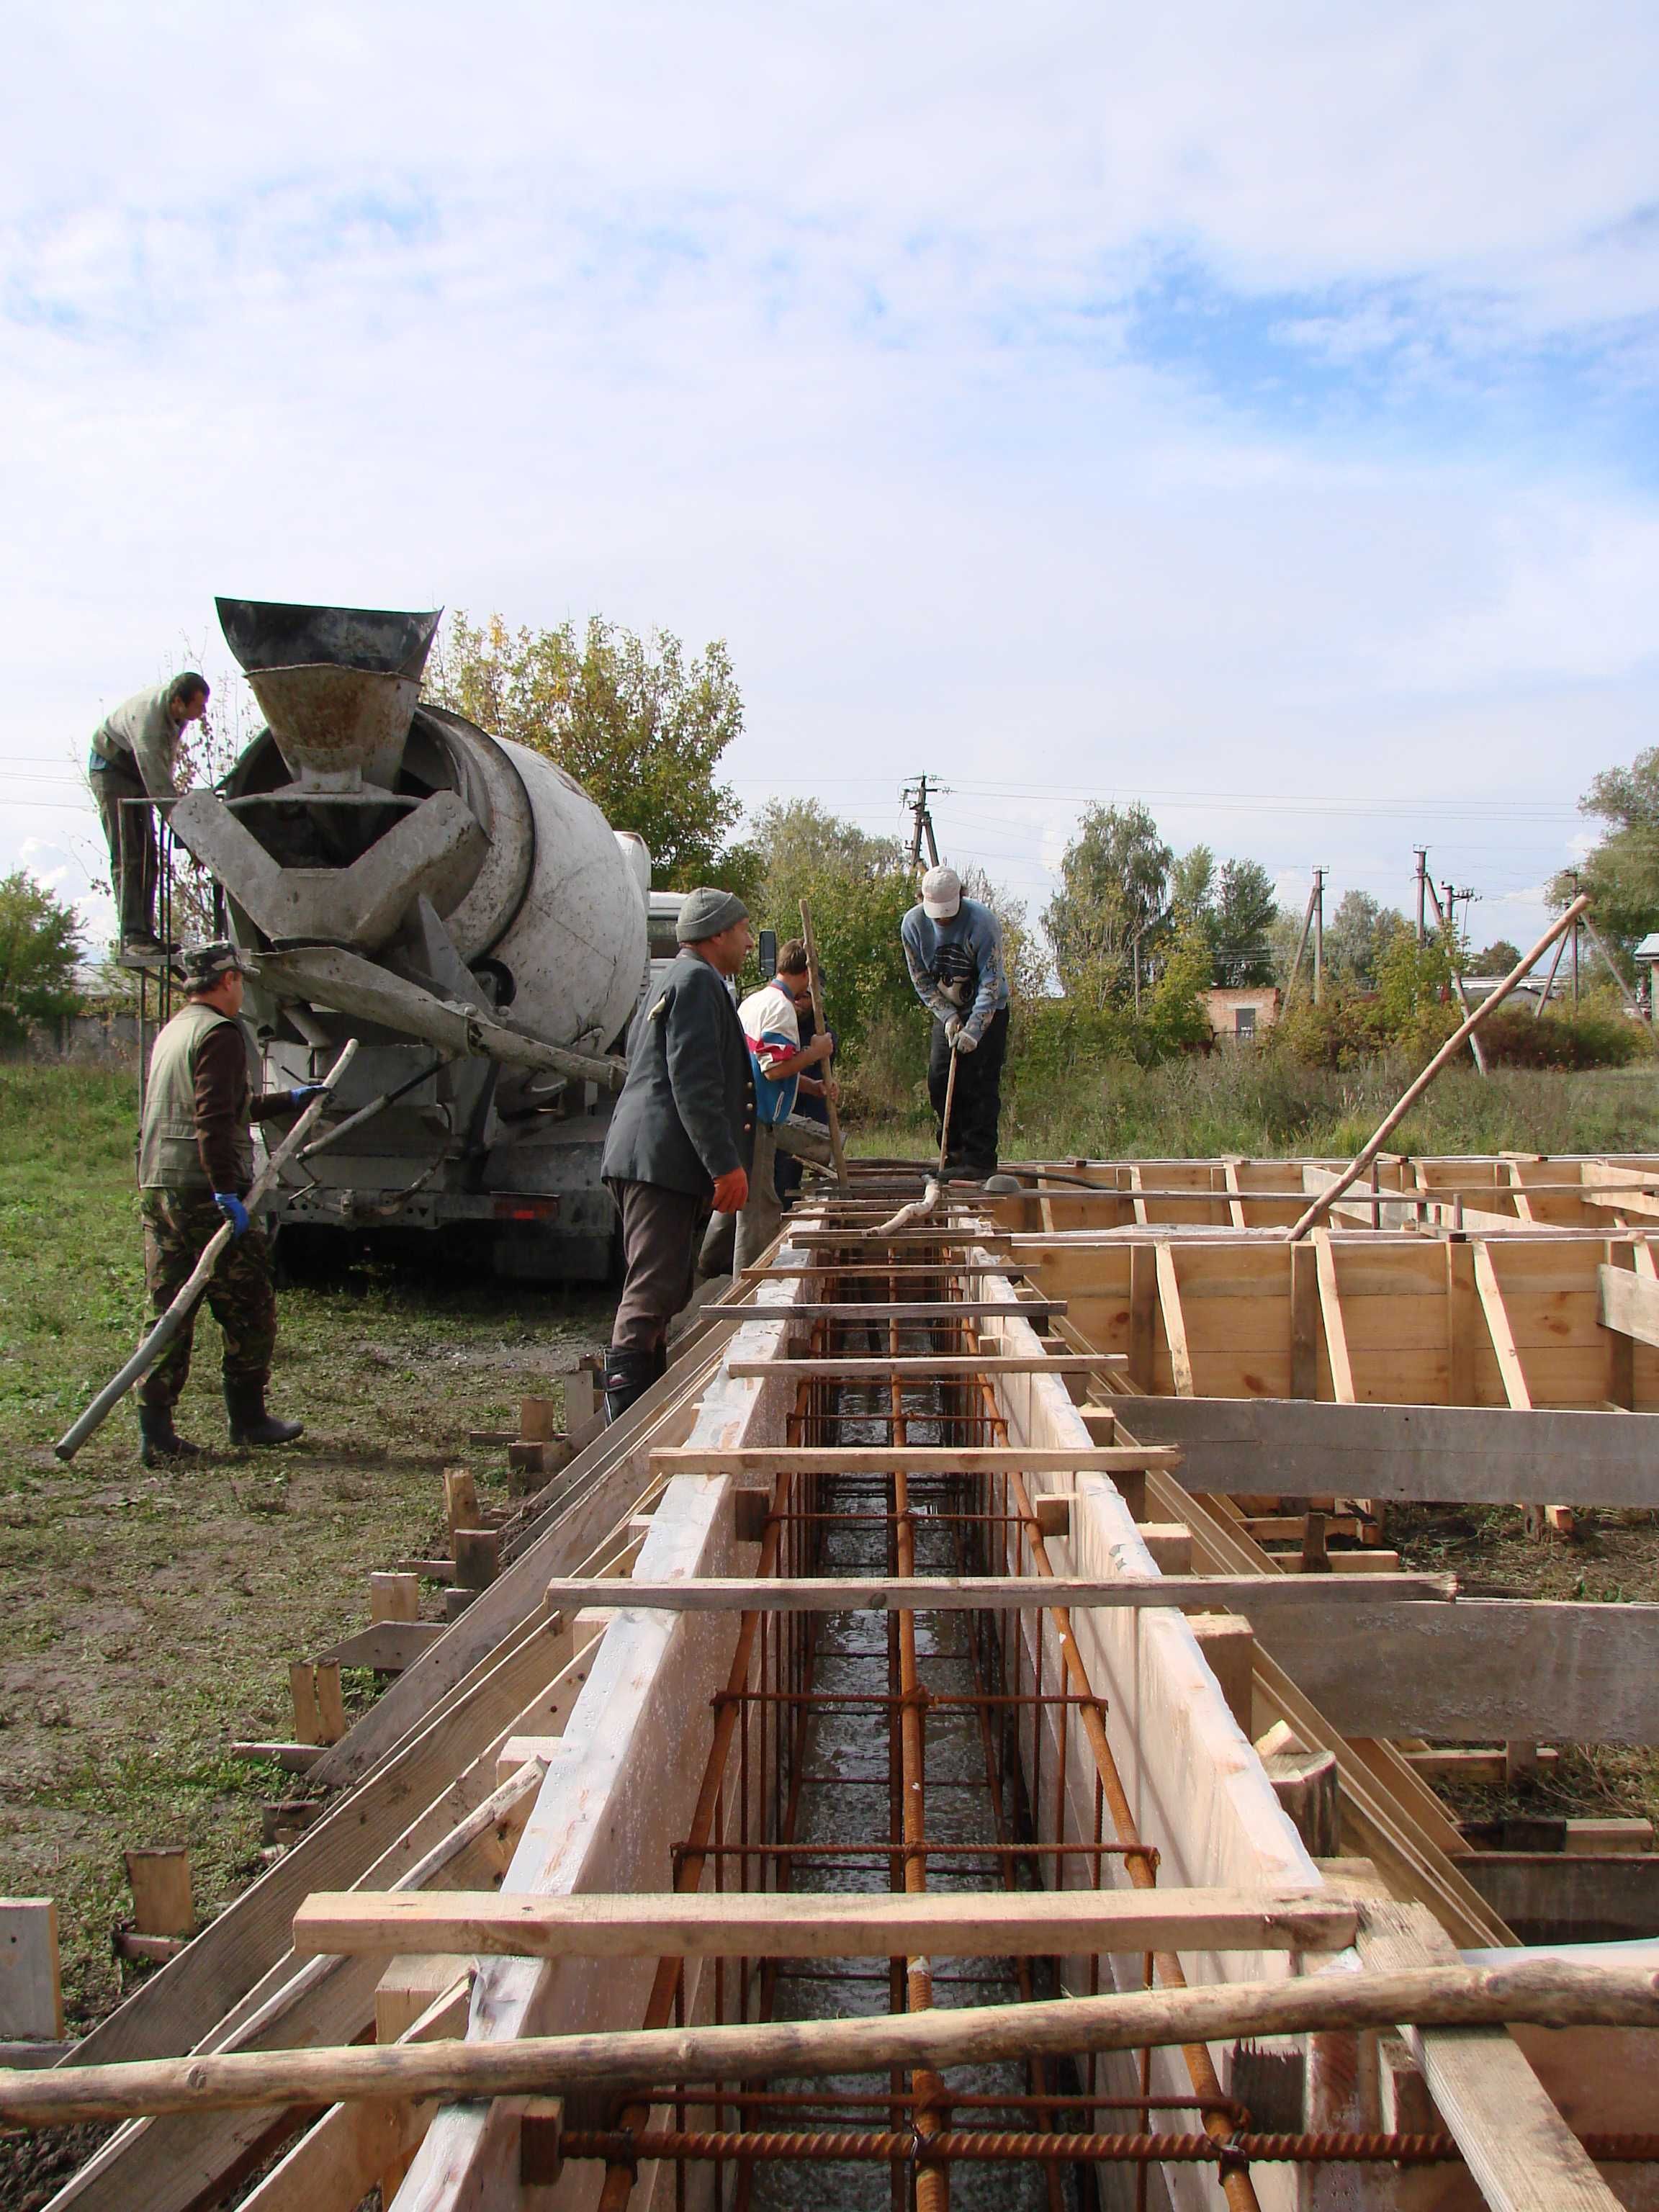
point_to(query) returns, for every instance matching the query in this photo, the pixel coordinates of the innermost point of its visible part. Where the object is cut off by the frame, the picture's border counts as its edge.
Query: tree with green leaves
(1241, 934)
(1357, 934)
(638, 725)
(859, 888)
(40, 948)
(1111, 909)
(1621, 874)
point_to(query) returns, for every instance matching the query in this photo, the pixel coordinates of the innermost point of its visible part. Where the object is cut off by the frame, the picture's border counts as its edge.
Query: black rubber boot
(250, 1424)
(659, 1363)
(159, 1440)
(626, 1375)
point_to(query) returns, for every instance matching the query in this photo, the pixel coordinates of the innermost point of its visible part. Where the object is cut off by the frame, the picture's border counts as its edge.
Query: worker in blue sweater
(953, 948)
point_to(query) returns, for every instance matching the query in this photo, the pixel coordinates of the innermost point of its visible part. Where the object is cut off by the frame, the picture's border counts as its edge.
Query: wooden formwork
(556, 1756)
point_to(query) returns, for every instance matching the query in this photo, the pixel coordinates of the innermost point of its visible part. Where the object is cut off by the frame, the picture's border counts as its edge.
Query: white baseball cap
(941, 894)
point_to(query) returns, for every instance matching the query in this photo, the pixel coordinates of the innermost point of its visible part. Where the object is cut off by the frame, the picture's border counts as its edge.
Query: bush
(1515, 1038)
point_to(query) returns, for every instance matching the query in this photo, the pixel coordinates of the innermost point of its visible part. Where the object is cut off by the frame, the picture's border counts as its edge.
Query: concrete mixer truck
(458, 904)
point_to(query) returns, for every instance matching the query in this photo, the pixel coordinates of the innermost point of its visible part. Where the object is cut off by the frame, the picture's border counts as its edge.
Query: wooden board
(1470, 1454)
(1629, 1302)
(923, 1366)
(1482, 1670)
(996, 1593)
(715, 1924)
(915, 1459)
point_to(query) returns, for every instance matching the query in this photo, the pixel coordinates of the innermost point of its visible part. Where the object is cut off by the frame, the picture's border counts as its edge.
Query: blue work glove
(234, 1211)
(302, 1095)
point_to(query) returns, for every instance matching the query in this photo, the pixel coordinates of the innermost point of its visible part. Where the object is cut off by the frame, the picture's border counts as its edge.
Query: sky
(1249, 410)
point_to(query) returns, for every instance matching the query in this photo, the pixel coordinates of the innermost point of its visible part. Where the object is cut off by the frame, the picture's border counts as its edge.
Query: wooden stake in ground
(1448, 1051)
(814, 981)
(182, 1307)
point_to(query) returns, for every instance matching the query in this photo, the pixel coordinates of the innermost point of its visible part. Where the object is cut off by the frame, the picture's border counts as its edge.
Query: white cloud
(817, 328)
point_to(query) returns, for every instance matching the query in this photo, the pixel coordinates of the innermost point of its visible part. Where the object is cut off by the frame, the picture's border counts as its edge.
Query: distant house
(1242, 1012)
(1647, 956)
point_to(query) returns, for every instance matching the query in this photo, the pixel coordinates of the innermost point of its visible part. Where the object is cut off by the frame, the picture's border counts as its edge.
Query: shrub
(1515, 1037)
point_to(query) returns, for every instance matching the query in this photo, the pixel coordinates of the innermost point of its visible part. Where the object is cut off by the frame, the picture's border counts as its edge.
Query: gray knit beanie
(706, 911)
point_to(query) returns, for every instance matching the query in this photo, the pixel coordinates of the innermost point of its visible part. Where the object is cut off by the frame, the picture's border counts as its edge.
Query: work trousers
(240, 1294)
(130, 833)
(733, 1241)
(661, 1232)
(971, 1149)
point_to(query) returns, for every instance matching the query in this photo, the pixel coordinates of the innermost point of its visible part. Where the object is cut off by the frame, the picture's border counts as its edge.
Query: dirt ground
(151, 1615)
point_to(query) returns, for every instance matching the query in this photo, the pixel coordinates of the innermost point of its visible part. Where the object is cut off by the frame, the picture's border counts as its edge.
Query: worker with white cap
(953, 948)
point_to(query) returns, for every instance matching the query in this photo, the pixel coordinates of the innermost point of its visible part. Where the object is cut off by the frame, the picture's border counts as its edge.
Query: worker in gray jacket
(681, 1138)
(953, 949)
(131, 771)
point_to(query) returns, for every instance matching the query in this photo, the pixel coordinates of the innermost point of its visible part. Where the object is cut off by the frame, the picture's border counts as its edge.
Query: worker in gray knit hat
(682, 1137)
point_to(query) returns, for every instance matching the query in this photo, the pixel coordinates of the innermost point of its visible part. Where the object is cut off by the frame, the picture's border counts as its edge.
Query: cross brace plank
(925, 1364)
(765, 1925)
(912, 1459)
(994, 1592)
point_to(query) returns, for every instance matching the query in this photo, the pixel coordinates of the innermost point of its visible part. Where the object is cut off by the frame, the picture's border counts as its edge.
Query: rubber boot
(159, 1440)
(626, 1375)
(659, 1363)
(250, 1424)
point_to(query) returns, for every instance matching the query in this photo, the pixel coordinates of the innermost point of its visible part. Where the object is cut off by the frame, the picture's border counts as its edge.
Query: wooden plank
(1465, 1455)
(914, 1458)
(1480, 1671)
(1463, 1323)
(1143, 1313)
(922, 1366)
(386, 1646)
(31, 1990)
(1521, 2153)
(994, 1592)
(1175, 1324)
(1628, 1303)
(1489, 1293)
(727, 1924)
(1304, 1321)
(1330, 1308)
(916, 1310)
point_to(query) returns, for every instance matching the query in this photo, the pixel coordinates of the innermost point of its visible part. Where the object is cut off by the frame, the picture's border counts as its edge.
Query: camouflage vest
(169, 1159)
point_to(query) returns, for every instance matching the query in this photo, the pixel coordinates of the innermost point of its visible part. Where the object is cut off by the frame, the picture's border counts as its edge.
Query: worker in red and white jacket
(771, 1025)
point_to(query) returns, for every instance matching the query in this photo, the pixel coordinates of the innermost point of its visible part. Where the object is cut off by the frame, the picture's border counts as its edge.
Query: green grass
(1262, 1105)
(150, 1614)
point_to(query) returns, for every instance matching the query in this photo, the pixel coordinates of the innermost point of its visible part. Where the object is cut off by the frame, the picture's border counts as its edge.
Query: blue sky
(1251, 410)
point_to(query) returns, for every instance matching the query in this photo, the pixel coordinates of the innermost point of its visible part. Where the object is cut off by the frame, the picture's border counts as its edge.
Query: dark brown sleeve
(269, 1103)
(222, 1098)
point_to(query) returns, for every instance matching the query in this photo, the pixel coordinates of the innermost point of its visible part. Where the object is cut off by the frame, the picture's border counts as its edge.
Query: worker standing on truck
(131, 771)
(953, 948)
(681, 1138)
(195, 1168)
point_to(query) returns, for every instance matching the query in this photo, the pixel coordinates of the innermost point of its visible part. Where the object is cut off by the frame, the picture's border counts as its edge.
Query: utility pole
(1574, 873)
(922, 819)
(1301, 947)
(1319, 935)
(1444, 923)
(1422, 879)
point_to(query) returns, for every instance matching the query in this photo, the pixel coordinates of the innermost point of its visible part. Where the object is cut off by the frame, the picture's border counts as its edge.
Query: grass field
(151, 1615)
(1260, 1104)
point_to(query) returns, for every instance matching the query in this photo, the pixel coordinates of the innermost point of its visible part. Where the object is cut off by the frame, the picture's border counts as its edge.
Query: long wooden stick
(1545, 1992)
(179, 1311)
(1448, 1051)
(814, 981)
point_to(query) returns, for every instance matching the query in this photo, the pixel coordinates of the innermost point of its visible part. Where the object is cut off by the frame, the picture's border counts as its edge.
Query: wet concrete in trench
(848, 1746)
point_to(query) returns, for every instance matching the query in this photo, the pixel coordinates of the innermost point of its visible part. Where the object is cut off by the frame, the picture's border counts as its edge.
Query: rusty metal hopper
(338, 686)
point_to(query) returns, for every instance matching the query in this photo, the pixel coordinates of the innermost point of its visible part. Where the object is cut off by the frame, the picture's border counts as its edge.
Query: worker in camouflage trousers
(195, 1170)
